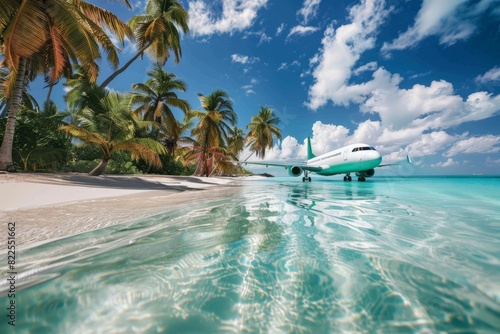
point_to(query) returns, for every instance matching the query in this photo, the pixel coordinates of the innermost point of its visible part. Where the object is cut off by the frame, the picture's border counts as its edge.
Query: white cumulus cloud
(447, 163)
(237, 15)
(430, 143)
(451, 20)
(492, 75)
(341, 49)
(483, 144)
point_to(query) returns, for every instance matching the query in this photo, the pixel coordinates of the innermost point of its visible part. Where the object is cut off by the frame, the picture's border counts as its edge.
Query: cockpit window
(364, 148)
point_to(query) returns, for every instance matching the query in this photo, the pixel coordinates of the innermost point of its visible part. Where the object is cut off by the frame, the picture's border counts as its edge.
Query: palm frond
(25, 33)
(83, 134)
(107, 19)
(142, 148)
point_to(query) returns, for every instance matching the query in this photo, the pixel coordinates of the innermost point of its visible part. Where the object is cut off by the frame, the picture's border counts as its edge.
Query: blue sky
(405, 76)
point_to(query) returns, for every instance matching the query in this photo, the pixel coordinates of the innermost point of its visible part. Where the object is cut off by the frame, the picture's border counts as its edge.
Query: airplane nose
(374, 155)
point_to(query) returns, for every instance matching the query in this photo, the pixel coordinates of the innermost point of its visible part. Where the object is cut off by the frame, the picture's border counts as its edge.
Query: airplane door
(345, 154)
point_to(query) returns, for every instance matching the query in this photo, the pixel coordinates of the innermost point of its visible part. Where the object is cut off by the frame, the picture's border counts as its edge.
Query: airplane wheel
(303, 179)
(361, 179)
(349, 178)
(309, 179)
(345, 178)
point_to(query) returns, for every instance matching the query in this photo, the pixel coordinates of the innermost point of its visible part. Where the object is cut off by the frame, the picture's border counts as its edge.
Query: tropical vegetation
(214, 122)
(107, 121)
(263, 128)
(150, 129)
(47, 37)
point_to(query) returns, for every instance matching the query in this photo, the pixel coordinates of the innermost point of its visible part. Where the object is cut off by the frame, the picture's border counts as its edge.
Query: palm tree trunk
(100, 168)
(8, 138)
(49, 93)
(199, 168)
(124, 67)
(238, 165)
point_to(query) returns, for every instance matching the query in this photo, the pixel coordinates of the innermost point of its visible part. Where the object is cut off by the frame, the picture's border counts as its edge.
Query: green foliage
(87, 157)
(37, 143)
(106, 121)
(122, 163)
(85, 152)
(169, 167)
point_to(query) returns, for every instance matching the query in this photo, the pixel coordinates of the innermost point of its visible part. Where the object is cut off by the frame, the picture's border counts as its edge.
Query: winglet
(408, 159)
(310, 154)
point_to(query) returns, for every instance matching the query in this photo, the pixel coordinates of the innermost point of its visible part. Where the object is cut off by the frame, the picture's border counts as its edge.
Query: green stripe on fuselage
(350, 167)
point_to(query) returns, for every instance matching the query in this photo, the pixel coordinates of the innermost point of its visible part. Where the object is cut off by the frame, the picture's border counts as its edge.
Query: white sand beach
(48, 206)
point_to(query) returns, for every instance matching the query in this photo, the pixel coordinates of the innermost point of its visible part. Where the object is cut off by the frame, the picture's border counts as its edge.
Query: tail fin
(310, 154)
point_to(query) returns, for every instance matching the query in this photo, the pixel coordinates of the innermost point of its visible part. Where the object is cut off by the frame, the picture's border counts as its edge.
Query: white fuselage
(348, 159)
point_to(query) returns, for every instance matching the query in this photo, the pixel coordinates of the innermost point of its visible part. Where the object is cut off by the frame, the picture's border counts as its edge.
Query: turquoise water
(390, 255)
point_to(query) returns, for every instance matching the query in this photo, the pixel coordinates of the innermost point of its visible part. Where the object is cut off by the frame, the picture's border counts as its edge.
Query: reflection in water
(281, 257)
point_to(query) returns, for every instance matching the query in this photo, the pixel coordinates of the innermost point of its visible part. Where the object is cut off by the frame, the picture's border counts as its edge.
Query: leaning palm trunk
(8, 138)
(238, 165)
(100, 168)
(202, 161)
(124, 67)
(201, 167)
(214, 169)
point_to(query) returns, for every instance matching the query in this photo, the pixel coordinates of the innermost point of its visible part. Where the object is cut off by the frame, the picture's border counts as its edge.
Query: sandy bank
(47, 206)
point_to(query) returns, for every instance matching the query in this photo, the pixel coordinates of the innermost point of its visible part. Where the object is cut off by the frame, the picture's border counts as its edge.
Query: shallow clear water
(389, 255)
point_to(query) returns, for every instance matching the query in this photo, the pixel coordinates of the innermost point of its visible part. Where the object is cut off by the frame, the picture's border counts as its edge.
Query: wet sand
(50, 206)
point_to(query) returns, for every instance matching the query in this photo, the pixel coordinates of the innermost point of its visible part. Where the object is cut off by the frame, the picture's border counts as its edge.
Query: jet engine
(294, 171)
(366, 173)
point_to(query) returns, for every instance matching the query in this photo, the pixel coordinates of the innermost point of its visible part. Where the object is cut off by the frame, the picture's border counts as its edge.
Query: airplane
(360, 159)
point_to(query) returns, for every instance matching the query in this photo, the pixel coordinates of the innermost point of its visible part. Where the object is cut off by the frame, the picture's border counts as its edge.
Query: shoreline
(52, 206)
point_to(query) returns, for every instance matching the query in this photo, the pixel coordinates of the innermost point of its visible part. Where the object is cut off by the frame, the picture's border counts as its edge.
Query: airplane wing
(301, 165)
(408, 161)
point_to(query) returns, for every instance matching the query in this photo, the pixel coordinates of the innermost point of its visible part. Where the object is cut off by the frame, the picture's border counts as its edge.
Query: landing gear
(347, 178)
(306, 178)
(361, 179)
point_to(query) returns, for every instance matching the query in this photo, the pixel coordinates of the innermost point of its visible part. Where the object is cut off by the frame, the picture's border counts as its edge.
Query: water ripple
(301, 258)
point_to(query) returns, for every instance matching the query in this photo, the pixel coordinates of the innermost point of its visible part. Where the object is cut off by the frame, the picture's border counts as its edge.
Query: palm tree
(157, 33)
(262, 131)
(77, 86)
(107, 121)
(171, 137)
(236, 140)
(216, 159)
(46, 37)
(215, 121)
(157, 95)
